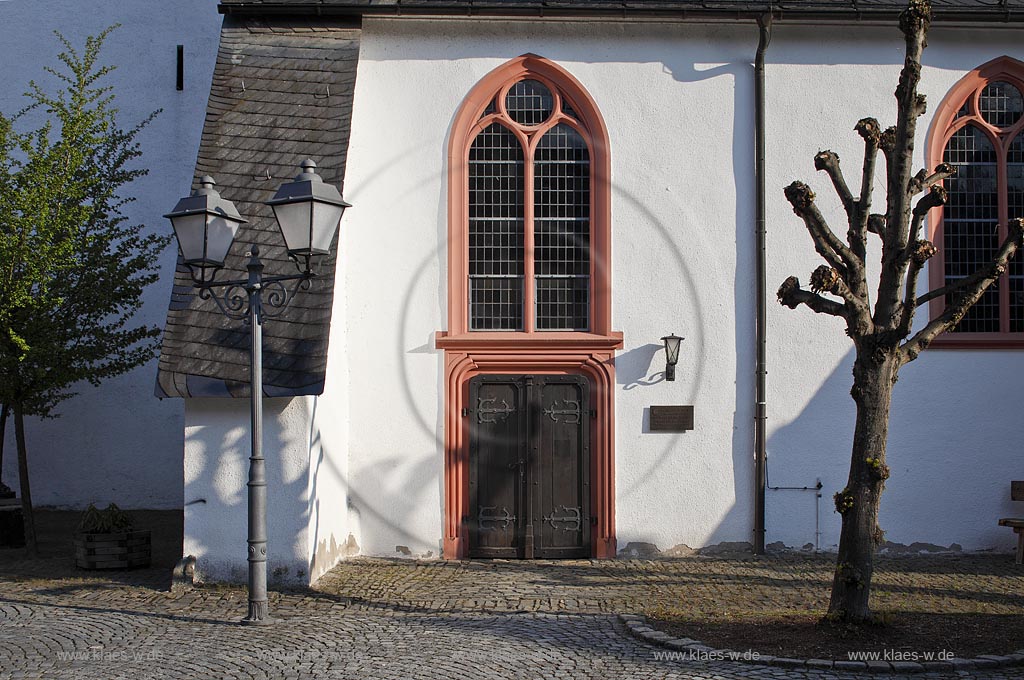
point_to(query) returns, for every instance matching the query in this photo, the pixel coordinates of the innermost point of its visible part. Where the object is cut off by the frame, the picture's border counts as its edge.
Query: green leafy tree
(72, 267)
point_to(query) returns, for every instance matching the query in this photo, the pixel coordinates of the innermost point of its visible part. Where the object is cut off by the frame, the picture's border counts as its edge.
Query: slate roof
(282, 92)
(945, 10)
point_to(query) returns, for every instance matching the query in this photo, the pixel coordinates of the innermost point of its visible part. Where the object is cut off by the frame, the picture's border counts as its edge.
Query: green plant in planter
(106, 539)
(109, 521)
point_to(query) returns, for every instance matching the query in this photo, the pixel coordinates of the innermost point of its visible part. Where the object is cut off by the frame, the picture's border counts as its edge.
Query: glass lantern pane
(326, 218)
(672, 350)
(293, 220)
(219, 234)
(191, 240)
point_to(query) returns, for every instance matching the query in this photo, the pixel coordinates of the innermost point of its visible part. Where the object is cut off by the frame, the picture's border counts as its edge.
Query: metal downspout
(764, 23)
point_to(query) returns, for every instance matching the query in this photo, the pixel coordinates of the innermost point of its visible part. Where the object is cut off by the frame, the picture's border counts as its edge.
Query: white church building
(540, 193)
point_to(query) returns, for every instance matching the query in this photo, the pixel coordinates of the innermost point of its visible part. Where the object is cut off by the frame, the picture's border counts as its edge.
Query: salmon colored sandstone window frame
(528, 350)
(961, 110)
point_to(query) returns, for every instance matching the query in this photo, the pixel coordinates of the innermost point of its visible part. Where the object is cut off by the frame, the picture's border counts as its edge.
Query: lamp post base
(258, 615)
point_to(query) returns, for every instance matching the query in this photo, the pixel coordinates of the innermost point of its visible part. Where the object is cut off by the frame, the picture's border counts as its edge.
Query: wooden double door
(529, 466)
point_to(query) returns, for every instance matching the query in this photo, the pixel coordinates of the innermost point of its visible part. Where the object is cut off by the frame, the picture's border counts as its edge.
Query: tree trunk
(3, 433)
(874, 374)
(26, 495)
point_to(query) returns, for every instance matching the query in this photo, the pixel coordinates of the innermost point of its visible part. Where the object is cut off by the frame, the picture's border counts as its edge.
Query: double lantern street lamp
(308, 213)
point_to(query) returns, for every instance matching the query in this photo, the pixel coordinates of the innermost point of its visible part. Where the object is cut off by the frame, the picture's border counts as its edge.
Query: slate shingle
(281, 93)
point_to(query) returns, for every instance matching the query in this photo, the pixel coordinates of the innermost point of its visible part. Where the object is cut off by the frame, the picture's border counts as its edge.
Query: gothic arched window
(530, 179)
(979, 129)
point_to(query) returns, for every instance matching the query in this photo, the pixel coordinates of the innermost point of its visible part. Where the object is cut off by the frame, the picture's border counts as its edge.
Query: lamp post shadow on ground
(308, 213)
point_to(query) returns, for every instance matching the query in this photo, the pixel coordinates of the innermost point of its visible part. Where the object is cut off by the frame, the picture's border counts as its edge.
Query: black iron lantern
(308, 212)
(671, 355)
(205, 225)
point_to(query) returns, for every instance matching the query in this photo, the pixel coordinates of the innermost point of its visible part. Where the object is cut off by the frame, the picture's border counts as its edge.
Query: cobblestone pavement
(990, 584)
(323, 639)
(375, 618)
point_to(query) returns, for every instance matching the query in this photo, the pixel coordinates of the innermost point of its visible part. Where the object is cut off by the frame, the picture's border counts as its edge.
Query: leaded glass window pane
(562, 230)
(529, 102)
(496, 231)
(1000, 104)
(970, 221)
(1015, 209)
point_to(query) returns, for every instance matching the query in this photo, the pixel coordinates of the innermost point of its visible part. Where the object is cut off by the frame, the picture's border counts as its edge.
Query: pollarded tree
(72, 267)
(882, 335)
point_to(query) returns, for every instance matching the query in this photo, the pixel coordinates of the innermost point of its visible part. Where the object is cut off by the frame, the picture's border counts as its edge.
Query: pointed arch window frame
(945, 124)
(589, 353)
(468, 123)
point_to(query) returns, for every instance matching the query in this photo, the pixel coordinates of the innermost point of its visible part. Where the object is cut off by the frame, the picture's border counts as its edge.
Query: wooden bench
(1017, 523)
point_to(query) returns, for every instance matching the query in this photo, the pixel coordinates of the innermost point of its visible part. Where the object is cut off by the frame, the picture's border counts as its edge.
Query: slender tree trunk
(3, 433)
(874, 374)
(26, 495)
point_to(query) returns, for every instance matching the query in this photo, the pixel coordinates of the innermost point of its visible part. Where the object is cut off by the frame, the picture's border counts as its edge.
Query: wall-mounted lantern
(671, 355)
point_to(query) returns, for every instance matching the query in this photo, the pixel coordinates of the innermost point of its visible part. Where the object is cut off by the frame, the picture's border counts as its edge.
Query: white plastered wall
(305, 447)
(331, 520)
(217, 447)
(117, 442)
(954, 443)
(678, 102)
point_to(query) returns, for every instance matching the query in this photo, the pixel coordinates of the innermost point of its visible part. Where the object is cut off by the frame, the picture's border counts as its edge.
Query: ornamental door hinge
(465, 412)
(593, 413)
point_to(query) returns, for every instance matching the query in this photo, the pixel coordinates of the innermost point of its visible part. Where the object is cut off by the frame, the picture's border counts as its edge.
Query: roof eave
(500, 10)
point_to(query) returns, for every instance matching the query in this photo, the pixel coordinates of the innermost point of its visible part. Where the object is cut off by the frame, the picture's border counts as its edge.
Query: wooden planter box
(124, 550)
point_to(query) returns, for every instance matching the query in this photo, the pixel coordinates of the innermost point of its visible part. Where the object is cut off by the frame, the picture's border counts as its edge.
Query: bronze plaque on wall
(671, 418)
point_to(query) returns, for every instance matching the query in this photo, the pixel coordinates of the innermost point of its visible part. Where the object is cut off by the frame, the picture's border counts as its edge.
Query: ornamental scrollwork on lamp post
(307, 212)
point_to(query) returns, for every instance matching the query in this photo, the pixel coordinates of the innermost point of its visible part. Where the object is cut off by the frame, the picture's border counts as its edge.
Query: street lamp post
(308, 213)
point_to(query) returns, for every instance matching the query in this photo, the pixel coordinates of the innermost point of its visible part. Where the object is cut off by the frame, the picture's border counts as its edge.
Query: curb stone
(639, 629)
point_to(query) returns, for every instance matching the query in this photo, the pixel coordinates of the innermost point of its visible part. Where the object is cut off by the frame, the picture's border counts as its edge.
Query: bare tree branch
(828, 245)
(969, 293)
(827, 279)
(920, 253)
(829, 162)
(950, 288)
(922, 180)
(876, 224)
(935, 197)
(792, 296)
(889, 288)
(910, 105)
(870, 132)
